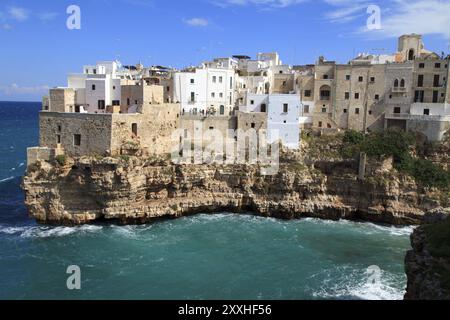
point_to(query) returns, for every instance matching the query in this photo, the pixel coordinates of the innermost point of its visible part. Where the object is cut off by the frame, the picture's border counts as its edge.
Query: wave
(6, 179)
(45, 232)
(354, 286)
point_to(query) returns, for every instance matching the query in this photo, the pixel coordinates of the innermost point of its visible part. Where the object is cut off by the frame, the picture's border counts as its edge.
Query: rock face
(136, 190)
(428, 269)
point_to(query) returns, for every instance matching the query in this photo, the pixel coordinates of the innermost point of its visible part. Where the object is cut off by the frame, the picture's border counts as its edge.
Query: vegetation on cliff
(408, 150)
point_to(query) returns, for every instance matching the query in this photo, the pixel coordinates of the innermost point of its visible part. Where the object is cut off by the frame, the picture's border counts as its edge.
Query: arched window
(222, 109)
(411, 54)
(396, 83)
(402, 83)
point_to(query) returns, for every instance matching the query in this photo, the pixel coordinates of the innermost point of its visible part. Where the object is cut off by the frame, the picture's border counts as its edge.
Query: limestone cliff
(427, 265)
(137, 190)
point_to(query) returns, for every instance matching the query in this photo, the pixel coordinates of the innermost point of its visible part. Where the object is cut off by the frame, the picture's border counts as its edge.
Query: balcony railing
(399, 89)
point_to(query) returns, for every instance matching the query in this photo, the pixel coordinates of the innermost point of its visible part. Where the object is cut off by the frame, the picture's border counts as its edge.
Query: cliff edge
(427, 265)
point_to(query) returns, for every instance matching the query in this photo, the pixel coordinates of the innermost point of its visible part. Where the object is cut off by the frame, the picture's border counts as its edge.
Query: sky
(38, 50)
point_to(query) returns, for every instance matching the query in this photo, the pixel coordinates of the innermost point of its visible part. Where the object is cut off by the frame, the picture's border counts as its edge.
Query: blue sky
(37, 50)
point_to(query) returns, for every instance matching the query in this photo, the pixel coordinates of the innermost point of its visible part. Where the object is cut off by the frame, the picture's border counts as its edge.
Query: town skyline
(195, 32)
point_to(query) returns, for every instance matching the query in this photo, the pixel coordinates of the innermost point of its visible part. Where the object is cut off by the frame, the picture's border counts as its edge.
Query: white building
(207, 89)
(283, 116)
(98, 86)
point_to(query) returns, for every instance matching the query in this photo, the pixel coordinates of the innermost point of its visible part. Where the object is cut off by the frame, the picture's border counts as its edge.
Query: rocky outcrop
(427, 265)
(137, 190)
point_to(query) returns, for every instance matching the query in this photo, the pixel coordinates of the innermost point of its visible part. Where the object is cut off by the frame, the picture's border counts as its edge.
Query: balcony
(192, 102)
(399, 89)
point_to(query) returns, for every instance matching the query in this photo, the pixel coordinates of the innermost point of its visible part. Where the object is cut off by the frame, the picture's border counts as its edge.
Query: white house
(206, 90)
(283, 116)
(98, 86)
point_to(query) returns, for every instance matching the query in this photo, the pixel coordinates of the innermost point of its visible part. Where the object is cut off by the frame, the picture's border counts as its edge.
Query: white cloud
(15, 89)
(397, 16)
(6, 26)
(19, 14)
(416, 16)
(196, 22)
(47, 16)
(268, 3)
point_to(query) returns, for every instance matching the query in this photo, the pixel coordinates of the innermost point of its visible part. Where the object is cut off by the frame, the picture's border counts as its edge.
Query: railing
(407, 116)
(399, 89)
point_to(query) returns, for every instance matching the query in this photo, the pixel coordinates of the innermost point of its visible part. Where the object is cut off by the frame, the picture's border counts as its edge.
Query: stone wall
(94, 132)
(62, 100)
(82, 134)
(154, 127)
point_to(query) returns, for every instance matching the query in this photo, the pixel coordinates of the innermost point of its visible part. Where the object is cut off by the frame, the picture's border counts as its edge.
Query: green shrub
(61, 159)
(353, 137)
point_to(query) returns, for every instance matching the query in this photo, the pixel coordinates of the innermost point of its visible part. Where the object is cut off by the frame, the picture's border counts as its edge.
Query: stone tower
(410, 46)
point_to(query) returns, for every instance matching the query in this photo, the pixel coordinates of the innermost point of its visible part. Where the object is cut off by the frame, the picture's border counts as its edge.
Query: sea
(206, 256)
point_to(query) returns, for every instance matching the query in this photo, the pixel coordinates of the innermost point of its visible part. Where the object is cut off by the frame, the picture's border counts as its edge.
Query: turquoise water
(221, 256)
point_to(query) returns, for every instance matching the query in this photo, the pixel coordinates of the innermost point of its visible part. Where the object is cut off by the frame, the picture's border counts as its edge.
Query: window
(347, 95)
(370, 111)
(252, 101)
(134, 129)
(220, 79)
(211, 128)
(396, 83)
(347, 77)
(285, 107)
(345, 110)
(397, 110)
(167, 88)
(284, 83)
(324, 94)
(360, 79)
(77, 139)
(325, 76)
(426, 112)
(101, 104)
(231, 83)
(253, 125)
(420, 80)
(402, 83)
(214, 79)
(372, 79)
(306, 109)
(435, 96)
(281, 72)
(59, 128)
(324, 110)
(436, 80)
(418, 96)
(421, 65)
(377, 97)
(356, 95)
(128, 101)
(135, 102)
(263, 107)
(356, 110)
(114, 87)
(213, 95)
(307, 93)
(221, 95)
(192, 81)
(411, 55)
(320, 124)
(58, 138)
(192, 96)
(222, 109)
(437, 65)
(116, 102)
(95, 71)
(93, 87)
